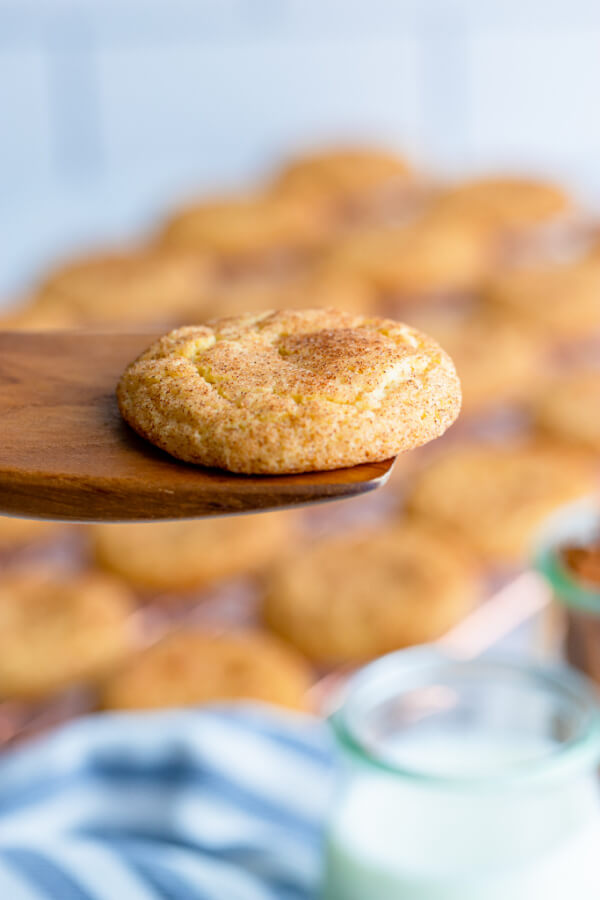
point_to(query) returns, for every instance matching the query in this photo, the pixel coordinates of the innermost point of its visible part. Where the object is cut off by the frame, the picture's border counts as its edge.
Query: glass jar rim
(575, 754)
(575, 522)
(567, 590)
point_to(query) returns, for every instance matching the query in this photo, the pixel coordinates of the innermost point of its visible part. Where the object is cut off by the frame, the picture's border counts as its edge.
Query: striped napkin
(213, 804)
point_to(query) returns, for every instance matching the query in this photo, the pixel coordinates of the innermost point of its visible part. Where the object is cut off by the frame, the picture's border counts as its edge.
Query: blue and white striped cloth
(218, 804)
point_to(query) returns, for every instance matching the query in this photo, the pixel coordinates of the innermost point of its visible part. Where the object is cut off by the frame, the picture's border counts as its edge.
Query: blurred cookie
(145, 286)
(496, 497)
(427, 257)
(592, 243)
(31, 316)
(507, 205)
(353, 597)
(189, 668)
(188, 554)
(555, 301)
(18, 532)
(569, 409)
(290, 391)
(55, 632)
(347, 178)
(495, 361)
(317, 288)
(246, 228)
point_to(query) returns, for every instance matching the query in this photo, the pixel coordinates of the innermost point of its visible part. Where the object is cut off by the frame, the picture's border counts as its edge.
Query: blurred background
(136, 103)
(161, 163)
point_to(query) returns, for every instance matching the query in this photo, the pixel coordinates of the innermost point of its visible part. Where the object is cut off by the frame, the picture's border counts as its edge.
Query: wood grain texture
(65, 452)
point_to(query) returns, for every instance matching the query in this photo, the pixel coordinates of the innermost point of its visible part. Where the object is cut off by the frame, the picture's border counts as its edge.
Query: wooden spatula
(66, 454)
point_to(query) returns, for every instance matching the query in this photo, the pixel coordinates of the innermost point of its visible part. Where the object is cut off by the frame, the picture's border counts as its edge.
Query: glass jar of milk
(465, 781)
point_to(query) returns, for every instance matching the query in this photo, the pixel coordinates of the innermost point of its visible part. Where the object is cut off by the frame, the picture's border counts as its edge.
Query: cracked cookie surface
(290, 391)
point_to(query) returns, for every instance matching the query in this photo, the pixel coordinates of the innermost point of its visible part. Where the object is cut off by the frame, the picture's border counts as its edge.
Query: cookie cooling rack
(514, 618)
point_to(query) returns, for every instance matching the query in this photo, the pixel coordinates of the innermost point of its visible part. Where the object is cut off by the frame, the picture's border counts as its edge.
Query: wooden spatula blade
(65, 452)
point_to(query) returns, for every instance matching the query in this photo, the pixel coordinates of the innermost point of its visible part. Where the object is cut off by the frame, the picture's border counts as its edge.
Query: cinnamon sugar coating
(290, 391)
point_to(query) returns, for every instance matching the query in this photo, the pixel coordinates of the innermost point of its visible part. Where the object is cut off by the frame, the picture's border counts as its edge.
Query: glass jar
(578, 524)
(464, 781)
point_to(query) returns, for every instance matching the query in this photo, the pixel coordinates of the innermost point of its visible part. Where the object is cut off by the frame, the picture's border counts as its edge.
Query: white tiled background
(111, 108)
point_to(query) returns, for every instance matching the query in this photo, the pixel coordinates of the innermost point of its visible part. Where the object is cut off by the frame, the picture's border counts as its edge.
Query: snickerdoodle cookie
(29, 315)
(569, 409)
(290, 391)
(191, 667)
(496, 497)
(507, 205)
(496, 362)
(142, 286)
(353, 597)
(416, 260)
(18, 532)
(345, 177)
(244, 228)
(319, 287)
(553, 300)
(189, 554)
(60, 630)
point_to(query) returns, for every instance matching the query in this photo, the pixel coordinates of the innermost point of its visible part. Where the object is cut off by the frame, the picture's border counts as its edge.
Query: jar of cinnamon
(568, 557)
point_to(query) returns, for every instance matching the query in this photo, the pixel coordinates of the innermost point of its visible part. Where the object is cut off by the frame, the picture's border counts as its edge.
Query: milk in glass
(391, 840)
(489, 794)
